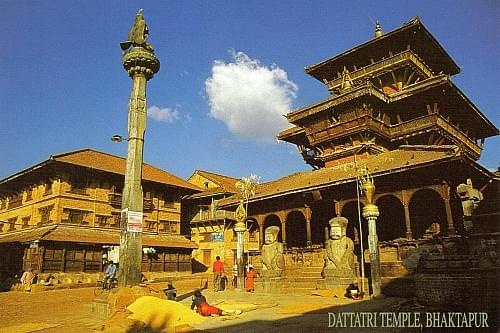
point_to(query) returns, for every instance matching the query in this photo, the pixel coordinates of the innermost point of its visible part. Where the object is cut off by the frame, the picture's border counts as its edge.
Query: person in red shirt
(205, 309)
(218, 270)
(249, 279)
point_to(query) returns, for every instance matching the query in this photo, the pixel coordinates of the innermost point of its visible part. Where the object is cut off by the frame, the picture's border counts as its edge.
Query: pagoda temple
(391, 91)
(393, 112)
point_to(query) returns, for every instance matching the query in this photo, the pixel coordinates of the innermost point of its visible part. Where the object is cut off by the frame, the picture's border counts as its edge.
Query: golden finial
(378, 30)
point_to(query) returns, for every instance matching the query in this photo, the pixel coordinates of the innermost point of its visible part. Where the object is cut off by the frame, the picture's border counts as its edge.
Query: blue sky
(63, 87)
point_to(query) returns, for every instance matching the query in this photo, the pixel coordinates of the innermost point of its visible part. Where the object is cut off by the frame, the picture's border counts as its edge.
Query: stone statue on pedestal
(339, 261)
(470, 198)
(272, 253)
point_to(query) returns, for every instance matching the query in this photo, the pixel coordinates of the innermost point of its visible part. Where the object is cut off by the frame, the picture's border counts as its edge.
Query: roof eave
(345, 180)
(454, 68)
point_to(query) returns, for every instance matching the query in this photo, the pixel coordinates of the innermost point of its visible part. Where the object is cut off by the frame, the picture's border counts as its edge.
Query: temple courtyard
(71, 310)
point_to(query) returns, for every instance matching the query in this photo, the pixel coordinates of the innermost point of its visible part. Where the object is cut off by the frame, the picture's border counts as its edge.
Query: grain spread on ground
(162, 315)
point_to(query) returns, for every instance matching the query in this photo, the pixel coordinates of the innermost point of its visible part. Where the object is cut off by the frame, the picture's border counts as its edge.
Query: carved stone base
(269, 284)
(333, 273)
(338, 284)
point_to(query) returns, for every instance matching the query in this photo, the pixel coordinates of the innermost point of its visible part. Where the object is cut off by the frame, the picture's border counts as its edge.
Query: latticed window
(115, 220)
(75, 216)
(151, 225)
(168, 226)
(45, 214)
(101, 220)
(12, 223)
(26, 221)
(78, 187)
(170, 200)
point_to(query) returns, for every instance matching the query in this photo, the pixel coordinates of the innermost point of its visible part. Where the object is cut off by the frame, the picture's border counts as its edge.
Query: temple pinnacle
(378, 30)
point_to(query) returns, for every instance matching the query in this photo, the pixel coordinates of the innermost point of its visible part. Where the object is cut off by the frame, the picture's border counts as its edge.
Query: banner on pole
(134, 220)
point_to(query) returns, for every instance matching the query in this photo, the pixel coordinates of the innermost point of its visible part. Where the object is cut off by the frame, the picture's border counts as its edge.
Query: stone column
(282, 216)
(261, 234)
(406, 206)
(283, 233)
(447, 206)
(307, 211)
(141, 64)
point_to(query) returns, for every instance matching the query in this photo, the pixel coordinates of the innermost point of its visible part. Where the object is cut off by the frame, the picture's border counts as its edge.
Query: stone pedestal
(275, 273)
(272, 284)
(339, 284)
(334, 273)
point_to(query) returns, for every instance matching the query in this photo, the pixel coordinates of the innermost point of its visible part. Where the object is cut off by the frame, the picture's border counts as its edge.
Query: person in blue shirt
(109, 274)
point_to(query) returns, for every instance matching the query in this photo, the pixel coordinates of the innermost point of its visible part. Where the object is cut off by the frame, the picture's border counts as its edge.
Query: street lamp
(247, 187)
(371, 212)
(117, 138)
(240, 228)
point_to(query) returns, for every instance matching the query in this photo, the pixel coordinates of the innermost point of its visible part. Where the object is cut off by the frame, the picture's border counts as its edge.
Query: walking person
(235, 276)
(218, 270)
(249, 279)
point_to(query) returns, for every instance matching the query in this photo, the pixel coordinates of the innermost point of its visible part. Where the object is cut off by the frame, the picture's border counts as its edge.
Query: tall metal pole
(361, 237)
(141, 64)
(358, 183)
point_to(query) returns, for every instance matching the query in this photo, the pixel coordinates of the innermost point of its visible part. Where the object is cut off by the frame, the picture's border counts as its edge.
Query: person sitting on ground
(205, 309)
(170, 291)
(49, 281)
(353, 291)
(109, 275)
(27, 279)
(249, 279)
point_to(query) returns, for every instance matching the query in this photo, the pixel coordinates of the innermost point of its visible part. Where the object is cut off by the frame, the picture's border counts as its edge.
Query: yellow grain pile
(162, 315)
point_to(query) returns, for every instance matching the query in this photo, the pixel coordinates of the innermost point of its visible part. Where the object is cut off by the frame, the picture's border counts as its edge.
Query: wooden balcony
(115, 200)
(393, 132)
(345, 128)
(78, 190)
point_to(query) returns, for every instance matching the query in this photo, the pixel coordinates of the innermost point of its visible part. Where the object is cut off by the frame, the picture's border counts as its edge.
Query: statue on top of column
(339, 261)
(138, 34)
(272, 253)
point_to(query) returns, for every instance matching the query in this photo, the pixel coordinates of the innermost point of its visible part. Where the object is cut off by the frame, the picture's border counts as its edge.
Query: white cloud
(166, 115)
(250, 98)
